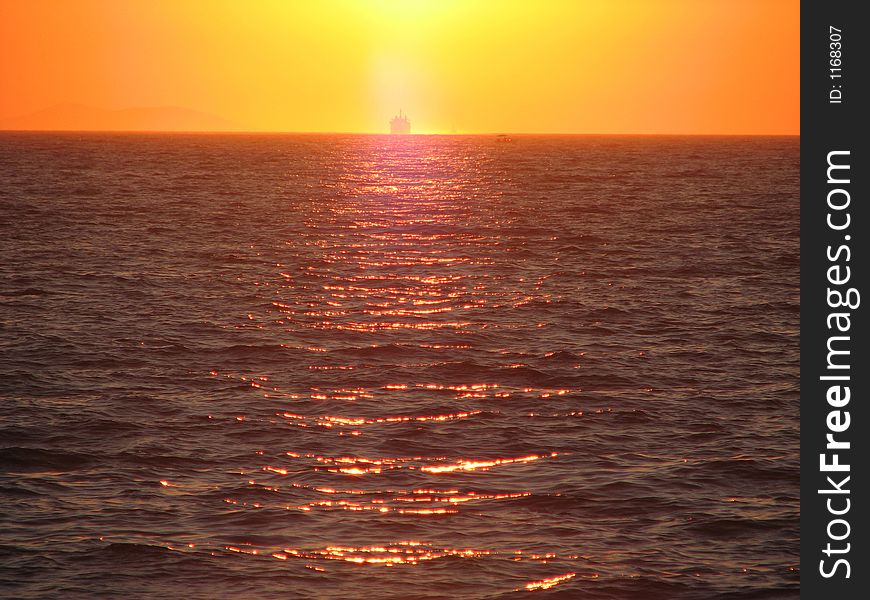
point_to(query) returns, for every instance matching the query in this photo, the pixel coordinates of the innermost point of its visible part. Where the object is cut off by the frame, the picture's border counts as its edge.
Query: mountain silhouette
(78, 117)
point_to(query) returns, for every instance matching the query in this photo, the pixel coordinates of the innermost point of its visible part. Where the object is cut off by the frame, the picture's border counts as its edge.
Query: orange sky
(572, 66)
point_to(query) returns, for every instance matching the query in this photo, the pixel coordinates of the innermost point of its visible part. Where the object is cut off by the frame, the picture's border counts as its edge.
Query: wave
(38, 459)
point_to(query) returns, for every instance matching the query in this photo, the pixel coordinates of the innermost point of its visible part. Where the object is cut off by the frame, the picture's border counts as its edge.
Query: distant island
(79, 117)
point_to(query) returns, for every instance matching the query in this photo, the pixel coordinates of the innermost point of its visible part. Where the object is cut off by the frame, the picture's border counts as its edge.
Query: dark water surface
(423, 367)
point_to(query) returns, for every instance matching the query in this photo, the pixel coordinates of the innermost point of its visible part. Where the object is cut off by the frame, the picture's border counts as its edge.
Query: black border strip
(832, 124)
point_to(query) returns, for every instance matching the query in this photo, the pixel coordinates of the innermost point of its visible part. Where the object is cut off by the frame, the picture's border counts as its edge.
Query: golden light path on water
(396, 261)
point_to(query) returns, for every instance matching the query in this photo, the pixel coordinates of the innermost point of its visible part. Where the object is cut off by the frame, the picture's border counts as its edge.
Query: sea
(413, 367)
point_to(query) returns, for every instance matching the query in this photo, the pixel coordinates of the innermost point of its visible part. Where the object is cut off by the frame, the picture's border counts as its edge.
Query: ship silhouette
(400, 125)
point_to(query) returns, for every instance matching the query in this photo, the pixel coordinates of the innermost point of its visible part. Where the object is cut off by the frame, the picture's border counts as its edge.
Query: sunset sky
(585, 66)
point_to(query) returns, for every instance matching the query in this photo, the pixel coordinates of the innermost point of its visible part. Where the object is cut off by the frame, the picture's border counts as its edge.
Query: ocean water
(338, 366)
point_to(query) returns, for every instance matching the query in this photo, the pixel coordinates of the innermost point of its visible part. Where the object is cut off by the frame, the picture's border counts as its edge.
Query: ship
(400, 125)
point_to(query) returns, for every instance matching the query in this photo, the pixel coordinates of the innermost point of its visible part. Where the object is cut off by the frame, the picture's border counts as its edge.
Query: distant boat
(400, 125)
(504, 138)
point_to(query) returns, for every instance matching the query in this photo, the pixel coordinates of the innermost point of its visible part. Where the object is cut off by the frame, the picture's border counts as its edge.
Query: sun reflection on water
(386, 307)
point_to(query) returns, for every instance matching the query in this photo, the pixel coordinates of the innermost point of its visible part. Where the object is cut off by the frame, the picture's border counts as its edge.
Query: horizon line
(484, 133)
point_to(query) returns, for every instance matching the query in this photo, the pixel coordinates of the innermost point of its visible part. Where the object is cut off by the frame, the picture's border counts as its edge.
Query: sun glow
(599, 66)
